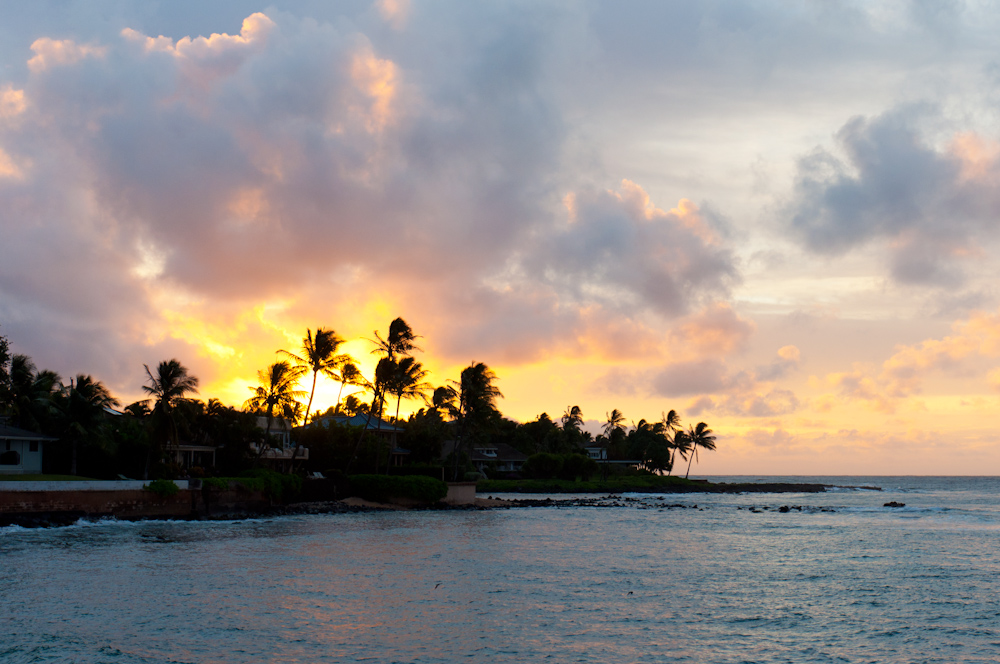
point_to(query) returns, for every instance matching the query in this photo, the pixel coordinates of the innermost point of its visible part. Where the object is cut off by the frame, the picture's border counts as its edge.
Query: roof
(358, 421)
(8, 432)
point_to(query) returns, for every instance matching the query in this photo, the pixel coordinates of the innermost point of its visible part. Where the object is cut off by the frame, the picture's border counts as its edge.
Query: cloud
(299, 169)
(969, 352)
(716, 330)
(930, 205)
(788, 359)
(61, 53)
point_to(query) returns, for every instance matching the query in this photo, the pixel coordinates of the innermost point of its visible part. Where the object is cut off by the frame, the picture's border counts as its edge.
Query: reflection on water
(636, 582)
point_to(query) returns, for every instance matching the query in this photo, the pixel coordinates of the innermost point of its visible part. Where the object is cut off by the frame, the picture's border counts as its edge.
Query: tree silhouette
(350, 375)
(167, 387)
(30, 394)
(699, 436)
(276, 393)
(81, 407)
(407, 382)
(672, 422)
(319, 355)
(477, 397)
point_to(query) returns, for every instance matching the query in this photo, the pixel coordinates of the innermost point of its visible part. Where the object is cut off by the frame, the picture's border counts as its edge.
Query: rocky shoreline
(357, 505)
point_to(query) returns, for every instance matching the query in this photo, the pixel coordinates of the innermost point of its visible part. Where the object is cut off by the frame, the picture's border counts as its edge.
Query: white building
(20, 450)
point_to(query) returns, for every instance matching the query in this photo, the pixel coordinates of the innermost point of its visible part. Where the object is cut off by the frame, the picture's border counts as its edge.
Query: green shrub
(217, 483)
(276, 486)
(383, 488)
(162, 488)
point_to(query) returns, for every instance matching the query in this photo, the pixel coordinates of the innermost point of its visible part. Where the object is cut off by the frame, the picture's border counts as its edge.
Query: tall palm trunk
(694, 451)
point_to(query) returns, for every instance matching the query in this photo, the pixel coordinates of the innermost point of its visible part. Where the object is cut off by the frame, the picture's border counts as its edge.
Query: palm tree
(672, 422)
(699, 436)
(319, 355)
(30, 394)
(350, 375)
(399, 341)
(276, 393)
(477, 396)
(572, 418)
(614, 432)
(168, 386)
(407, 383)
(82, 409)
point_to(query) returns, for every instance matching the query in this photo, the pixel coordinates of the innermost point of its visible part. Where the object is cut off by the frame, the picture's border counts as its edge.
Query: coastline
(251, 506)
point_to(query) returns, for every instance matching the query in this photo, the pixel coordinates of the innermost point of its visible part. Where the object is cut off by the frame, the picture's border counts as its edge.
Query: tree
(672, 422)
(167, 387)
(30, 394)
(350, 375)
(572, 418)
(81, 407)
(276, 393)
(407, 382)
(4, 371)
(614, 433)
(477, 397)
(699, 436)
(399, 341)
(319, 355)
(354, 406)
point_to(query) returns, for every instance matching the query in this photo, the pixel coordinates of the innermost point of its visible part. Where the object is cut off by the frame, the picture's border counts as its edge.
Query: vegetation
(458, 427)
(163, 488)
(385, 488)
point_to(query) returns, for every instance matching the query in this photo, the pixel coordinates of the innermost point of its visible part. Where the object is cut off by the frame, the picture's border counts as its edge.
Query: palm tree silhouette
(350, 375)
(477, 396)
(276, 393)
(30, 394)
(699, 436)
(167, 387)
(81, 407)
(319, 355)
(672, 423)
(407, 383)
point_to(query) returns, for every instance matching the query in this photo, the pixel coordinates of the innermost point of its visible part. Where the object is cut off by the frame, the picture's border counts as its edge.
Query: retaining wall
(461, 493)
(27, 501)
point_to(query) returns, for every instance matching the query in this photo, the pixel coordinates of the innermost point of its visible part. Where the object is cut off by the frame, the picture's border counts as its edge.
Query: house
(497, 457)
(597, 451)
(387, 432)
(20, 450)
(281, 452)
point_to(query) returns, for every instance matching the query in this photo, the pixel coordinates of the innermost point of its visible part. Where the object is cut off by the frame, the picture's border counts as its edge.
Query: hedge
(383, 488)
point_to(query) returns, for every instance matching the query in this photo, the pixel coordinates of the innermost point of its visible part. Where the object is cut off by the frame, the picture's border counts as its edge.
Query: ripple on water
(619, 583)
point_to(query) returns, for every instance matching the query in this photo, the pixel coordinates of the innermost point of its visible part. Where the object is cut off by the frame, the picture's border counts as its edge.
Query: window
(33, 446)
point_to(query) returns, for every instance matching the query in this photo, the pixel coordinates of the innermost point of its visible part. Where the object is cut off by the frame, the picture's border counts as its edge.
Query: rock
(894, 504)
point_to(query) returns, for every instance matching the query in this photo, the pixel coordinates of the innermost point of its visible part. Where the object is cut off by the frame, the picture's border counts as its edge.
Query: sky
(779, 218)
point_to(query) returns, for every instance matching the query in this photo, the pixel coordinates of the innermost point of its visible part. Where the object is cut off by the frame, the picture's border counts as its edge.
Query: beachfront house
(489, 459)
(20, 450)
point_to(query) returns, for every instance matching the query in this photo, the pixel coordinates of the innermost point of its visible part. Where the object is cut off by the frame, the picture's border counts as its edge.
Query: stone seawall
(41, 502)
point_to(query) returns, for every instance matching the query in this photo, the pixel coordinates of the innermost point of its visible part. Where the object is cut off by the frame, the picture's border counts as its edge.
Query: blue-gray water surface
(843, 579)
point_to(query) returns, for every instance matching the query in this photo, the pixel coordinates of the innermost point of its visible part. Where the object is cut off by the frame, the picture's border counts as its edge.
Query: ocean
(837, 577)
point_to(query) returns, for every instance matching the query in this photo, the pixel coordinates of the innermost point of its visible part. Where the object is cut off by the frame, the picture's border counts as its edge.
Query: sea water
(837, 577)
